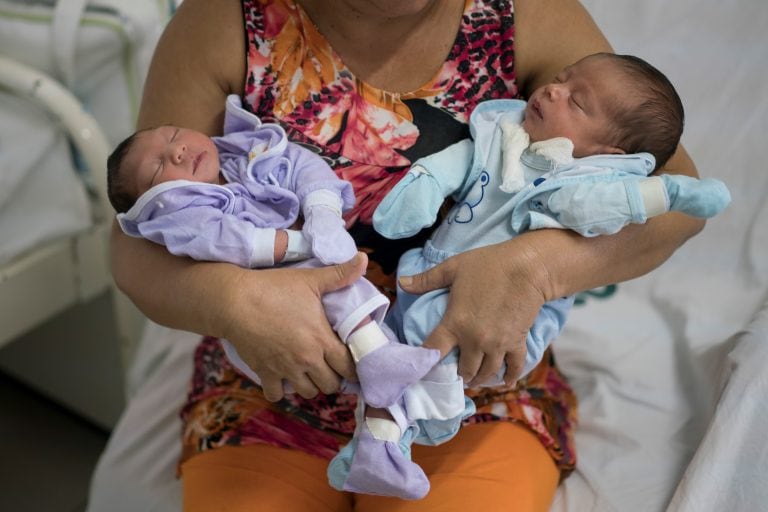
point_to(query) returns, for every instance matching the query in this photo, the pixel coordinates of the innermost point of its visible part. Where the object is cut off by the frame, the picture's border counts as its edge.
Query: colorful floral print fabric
(369, 137)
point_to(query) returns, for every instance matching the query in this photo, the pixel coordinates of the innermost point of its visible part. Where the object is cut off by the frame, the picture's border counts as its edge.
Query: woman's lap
(225, 408)
(490, 466)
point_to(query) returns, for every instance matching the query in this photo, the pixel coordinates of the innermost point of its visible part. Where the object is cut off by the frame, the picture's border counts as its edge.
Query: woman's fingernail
(406, 280)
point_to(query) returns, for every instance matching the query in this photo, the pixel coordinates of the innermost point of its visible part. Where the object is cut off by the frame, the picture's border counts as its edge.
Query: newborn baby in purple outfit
(235, 199)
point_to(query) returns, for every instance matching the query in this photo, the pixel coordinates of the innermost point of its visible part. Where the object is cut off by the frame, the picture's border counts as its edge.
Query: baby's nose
(554, 91)
(177, 151)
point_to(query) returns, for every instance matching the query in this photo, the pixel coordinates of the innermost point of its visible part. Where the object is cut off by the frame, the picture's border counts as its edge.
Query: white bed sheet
(729, 469)
(650, 363)
(670, 370)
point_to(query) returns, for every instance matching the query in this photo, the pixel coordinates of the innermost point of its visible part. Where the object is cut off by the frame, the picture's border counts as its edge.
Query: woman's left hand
(496, 293)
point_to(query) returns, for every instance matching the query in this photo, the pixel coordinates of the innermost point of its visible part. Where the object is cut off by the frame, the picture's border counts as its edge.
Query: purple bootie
(369, 465)
(385, 372)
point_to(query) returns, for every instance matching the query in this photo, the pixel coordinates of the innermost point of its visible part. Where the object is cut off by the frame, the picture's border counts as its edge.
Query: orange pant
(490, 467)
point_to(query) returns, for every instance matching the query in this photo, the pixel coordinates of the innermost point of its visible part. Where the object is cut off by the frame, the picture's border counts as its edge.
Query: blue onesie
(503, 187)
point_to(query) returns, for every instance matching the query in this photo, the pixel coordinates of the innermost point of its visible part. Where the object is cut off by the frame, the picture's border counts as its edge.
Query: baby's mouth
(196, 162)
(537, 109)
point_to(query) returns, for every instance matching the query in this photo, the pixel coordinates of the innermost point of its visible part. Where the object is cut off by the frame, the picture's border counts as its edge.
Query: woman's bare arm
(490, 311)
(273, 317)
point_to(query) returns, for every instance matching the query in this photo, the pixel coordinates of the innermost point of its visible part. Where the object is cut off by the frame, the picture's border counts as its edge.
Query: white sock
(654, 196)
(383, 429)
(365, 340)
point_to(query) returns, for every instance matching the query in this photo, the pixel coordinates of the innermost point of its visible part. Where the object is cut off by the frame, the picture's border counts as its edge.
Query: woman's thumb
(334, 277)
(433, 279)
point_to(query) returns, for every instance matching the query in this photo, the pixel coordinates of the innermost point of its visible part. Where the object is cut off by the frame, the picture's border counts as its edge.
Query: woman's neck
(394, 45)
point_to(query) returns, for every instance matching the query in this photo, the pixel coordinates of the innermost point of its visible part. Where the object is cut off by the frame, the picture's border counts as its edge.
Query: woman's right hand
(276, 321)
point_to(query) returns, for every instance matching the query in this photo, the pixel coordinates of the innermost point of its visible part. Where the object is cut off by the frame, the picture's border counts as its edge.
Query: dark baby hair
(117, 190)
(654, 123)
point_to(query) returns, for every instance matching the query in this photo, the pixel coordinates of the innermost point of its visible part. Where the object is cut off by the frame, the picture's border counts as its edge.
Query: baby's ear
(613, 150)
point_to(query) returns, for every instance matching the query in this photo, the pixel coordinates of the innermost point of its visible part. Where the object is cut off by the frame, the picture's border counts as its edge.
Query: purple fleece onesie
(269, 182)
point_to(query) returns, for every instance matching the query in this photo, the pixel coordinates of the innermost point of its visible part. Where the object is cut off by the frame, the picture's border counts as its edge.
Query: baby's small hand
(702, 198)
(328, 236)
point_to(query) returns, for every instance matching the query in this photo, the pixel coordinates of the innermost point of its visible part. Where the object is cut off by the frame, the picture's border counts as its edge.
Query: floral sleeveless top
(369, 137)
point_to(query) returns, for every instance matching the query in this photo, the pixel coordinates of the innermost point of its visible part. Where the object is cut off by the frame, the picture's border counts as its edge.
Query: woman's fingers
(488, 369)
(306, 376)
(272, 386)
(311, 371)
(326, 380)
(515, 363)
(323, 370)
(334, 364)
(470, 362)
(442, 338)
(280, 330)
(492, 304)
(333, 277)
(283, 333)
(440, 276)
(340, 361)
(304, 386)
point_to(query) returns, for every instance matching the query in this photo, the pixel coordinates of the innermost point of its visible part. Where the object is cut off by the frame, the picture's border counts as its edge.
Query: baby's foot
(385, 368)
(378, 463)
(386, 372)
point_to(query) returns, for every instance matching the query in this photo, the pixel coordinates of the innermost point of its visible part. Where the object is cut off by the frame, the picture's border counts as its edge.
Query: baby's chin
(531, 130)
(533, 135)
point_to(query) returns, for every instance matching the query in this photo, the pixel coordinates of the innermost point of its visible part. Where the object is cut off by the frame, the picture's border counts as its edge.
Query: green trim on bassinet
(96, 19)
(602, 293)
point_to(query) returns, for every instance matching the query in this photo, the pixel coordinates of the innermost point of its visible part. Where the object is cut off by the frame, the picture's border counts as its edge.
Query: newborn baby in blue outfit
(576, 156)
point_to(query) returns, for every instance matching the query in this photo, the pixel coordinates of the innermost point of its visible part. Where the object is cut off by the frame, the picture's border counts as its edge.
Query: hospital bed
(71, 74)
(671, 369)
